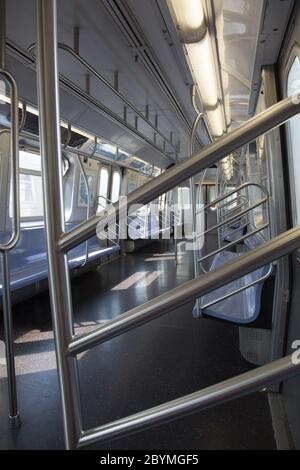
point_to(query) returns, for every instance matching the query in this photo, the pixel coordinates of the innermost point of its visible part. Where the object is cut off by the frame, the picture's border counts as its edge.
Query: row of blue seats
(28, 261)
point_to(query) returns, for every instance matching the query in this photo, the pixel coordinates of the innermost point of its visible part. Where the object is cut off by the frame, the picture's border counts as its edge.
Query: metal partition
(59, 242)
(238, 215)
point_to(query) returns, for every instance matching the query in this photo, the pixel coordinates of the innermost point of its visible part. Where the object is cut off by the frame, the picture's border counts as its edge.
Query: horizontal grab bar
(98, 76)
(236, 190)
(270, 251)
(235, 242)
(239, 290)
(233, 218)
(232, 201)
(263, 122)
(223, 392)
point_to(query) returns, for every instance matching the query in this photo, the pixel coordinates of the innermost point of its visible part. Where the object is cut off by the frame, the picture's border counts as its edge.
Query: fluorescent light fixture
(216, 121)
(200, 58)
(188, 16)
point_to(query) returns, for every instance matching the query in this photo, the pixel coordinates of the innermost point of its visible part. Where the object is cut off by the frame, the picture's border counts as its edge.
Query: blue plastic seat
(242, 307)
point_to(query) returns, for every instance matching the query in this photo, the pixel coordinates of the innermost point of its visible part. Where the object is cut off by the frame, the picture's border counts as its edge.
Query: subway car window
(31, 190)
(103, 188)
(116, 186)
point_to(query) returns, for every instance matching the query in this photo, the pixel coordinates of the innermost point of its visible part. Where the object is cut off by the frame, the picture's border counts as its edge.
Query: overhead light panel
(189, 18)
(204, 72)
(216, 121)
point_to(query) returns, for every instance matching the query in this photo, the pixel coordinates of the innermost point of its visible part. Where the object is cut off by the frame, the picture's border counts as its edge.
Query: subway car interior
(149, 225)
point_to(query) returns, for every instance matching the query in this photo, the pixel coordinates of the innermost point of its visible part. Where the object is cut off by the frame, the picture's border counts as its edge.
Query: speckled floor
(165, 359)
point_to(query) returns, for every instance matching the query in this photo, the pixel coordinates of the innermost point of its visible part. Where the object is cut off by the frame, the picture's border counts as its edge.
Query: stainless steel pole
(181, 295)
(11, 243)
(14, 415)
(199, 116)
(247, 132)
(59, 281)
(88, 205)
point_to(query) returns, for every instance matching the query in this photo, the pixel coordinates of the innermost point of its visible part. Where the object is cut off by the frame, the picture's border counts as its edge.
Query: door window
(116, 186)
(293, 87)
(103, 189)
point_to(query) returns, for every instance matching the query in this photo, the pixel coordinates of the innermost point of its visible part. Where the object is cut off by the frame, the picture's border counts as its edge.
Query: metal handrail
(223, 392)
(259, 124)
(226, 223)
(137, 216)
(102, 79)
(13, 240)
(230, 245)
(245, 202)
(233, 218)
(240, 289)
(88, 206)
(239, 188)
(58, 243)
(232, 201)
(98, 76)
(188, 292)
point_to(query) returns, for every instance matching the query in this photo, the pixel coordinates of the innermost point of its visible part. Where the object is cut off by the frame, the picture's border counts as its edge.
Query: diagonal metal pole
(250, 130)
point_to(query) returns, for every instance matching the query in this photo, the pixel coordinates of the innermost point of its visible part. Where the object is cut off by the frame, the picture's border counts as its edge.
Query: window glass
(30, 161)
(82, 193)
(31, 189)
(103, 188)
(183, 197)
(116, 184)
(31, 196)
(293, 87)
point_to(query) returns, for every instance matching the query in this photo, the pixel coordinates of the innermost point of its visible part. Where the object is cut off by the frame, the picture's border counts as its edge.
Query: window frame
(293, 55)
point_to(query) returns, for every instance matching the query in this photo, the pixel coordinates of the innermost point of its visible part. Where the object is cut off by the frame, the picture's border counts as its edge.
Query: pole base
(15, 421)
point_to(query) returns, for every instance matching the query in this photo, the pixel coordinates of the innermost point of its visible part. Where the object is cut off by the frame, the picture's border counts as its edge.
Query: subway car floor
(160, 361)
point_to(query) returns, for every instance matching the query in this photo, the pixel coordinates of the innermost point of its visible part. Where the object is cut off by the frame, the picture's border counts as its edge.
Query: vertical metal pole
(193, 202)
(2, 33)
(175, 219)
(59, 280)
(7, 311)
(9, 342)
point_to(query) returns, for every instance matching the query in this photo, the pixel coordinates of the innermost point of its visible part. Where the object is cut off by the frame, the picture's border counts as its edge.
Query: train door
(289, 70)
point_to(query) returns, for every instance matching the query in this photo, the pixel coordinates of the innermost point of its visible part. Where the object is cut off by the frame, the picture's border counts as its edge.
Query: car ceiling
(106, 46)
